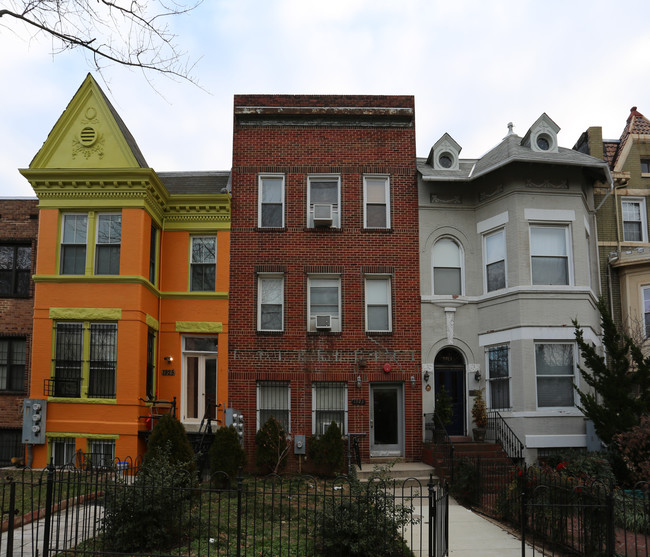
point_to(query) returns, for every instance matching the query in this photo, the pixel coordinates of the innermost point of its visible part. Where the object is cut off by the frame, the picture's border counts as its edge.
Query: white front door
(199, 379)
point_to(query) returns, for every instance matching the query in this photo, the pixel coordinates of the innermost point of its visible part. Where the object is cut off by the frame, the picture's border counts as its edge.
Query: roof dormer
(542, 135)
(444, 154)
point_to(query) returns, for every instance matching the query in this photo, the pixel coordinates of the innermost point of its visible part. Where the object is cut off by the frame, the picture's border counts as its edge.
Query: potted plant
(479, 413)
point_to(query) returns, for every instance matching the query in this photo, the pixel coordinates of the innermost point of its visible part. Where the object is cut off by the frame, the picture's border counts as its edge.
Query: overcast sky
(473, 66)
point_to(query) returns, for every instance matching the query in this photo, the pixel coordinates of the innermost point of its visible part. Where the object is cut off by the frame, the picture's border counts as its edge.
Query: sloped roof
(209, 182)
(637, 124)
(509, 150)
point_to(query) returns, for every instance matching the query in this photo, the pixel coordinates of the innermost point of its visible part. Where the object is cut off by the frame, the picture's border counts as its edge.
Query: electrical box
(34, 414)
(299, 444)
(235, 418)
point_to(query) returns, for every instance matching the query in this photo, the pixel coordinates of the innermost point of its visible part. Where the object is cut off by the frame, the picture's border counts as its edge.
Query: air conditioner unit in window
(324, 322)
(323, 214)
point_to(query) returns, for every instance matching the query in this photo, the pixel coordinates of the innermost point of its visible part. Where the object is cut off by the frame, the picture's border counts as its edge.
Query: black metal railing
(123, 510)
(500, 432)
(444, 447)
(62, 387)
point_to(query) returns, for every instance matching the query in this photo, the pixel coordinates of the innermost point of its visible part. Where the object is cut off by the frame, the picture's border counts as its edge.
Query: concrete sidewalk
(471, 535)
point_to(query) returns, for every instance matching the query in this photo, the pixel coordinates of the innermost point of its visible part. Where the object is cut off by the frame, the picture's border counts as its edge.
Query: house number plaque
(168, 372)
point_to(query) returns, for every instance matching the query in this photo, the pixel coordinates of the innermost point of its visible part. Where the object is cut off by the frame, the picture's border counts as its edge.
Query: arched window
(447, 268)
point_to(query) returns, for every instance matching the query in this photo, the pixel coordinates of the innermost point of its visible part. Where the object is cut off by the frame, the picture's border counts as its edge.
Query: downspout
(158, 347)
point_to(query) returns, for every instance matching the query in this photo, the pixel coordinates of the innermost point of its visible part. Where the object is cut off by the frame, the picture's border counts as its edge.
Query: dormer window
(542, 136)
(444, 154)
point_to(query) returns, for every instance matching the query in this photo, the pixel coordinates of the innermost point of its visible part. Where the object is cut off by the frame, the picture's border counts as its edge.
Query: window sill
(80, 400)
(379, 333)
(323, 229)
(271, 229)
(12, 393)
(270, 333)
(324, 333)
(377, 230)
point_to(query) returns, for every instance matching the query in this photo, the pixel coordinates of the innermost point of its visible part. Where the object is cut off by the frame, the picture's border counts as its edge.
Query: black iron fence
(556, 514)
(112, 511)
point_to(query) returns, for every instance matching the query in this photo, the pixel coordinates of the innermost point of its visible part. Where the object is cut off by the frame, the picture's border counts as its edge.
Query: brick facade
(18, 226)
(349, 137)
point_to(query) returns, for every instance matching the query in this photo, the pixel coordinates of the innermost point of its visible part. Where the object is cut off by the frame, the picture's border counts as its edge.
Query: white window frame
(645, 309)
(573, 376)
(325, 280)
(103, 444)
(203, 263)
(567, 246)
(314, 405)
(389, 305)
(284, 384)
(261, 203)
(68, 445)
(489, 379)
(261, 278)
(76, 243)
(367, 203)
(643, 216)
(461, 266)
(486, 263)
(110, 243)
(336, 207)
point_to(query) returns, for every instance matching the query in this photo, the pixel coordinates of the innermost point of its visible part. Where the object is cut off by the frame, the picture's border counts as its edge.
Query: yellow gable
(89, 134)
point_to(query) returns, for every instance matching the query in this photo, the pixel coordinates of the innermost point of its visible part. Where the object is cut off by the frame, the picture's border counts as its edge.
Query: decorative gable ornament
(542, 136)
(445, 154)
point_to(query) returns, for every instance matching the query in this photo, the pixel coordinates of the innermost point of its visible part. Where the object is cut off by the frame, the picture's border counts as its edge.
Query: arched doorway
(449, 371)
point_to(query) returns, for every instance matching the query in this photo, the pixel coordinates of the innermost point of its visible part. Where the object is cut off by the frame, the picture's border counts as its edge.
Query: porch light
(358, 381)
(426, 376)
(169, 359)
(413, 381)
(477, 376)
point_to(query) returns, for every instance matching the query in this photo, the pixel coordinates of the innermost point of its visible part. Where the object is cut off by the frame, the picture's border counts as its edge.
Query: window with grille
(12, 364)
(103, 360)
(101, 453)
(329, 404)
(203, 266)
(273, 400)
(498, 377)
(15, 270)
(68, 360)
(63, 452)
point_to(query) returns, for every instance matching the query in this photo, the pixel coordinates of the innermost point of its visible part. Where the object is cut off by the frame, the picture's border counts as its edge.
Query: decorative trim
(485, 195)
(60, 399)
(64, 435)
(447, 199)
(152, 322)
(198, 327)
(548, 185)
(87, 314)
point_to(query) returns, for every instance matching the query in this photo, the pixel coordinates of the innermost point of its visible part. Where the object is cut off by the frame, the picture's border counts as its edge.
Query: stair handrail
(505, 436)
(441, 438)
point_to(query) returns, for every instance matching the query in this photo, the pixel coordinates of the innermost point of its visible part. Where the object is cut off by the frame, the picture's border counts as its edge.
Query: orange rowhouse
(131, 289)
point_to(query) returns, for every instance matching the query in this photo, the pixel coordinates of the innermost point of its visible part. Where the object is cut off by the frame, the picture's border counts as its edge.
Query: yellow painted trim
(198, 327)
(60, 435)
(152, 322)
(197, 295)
(86, 314)
(82, 400)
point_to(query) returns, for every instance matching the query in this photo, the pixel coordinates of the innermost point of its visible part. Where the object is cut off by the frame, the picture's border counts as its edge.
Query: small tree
(226, 453)
(328, 450)
(620, 381)
(169, 431)
(479, 411)
(272, 446)
(634, 446)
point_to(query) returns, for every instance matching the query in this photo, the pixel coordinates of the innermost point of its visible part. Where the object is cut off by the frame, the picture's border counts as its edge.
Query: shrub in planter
(226, 454)
(271, 447)
(328, 451)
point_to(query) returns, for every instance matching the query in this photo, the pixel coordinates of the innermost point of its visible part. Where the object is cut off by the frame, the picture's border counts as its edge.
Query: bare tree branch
(133, 33)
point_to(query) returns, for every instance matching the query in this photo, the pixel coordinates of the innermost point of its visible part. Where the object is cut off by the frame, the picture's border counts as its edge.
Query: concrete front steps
(405, 474)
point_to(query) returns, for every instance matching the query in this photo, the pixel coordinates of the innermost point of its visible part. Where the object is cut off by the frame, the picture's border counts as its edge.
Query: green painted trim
(86, 314)
(196, 295)
(198, 327)
(60, 435)
(82, 400)
(152, 322)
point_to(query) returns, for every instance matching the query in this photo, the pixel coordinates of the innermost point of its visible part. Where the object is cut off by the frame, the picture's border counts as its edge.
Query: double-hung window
(107, 247)
(498, 377)
(12, 364)
(63, 452)
(324, 201)
(378, 304)
(555, 370)
(376, 208)
(101, 453)
(274, 399)
(15, 270)
(85, 361)
(447, 268)
(73, 244)
(329, 404)
(645, 166)
(270, 303)
(324, 304)
(635, 227)
(271, 201)
(203, 265)
(549, 254)
(495, 260)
